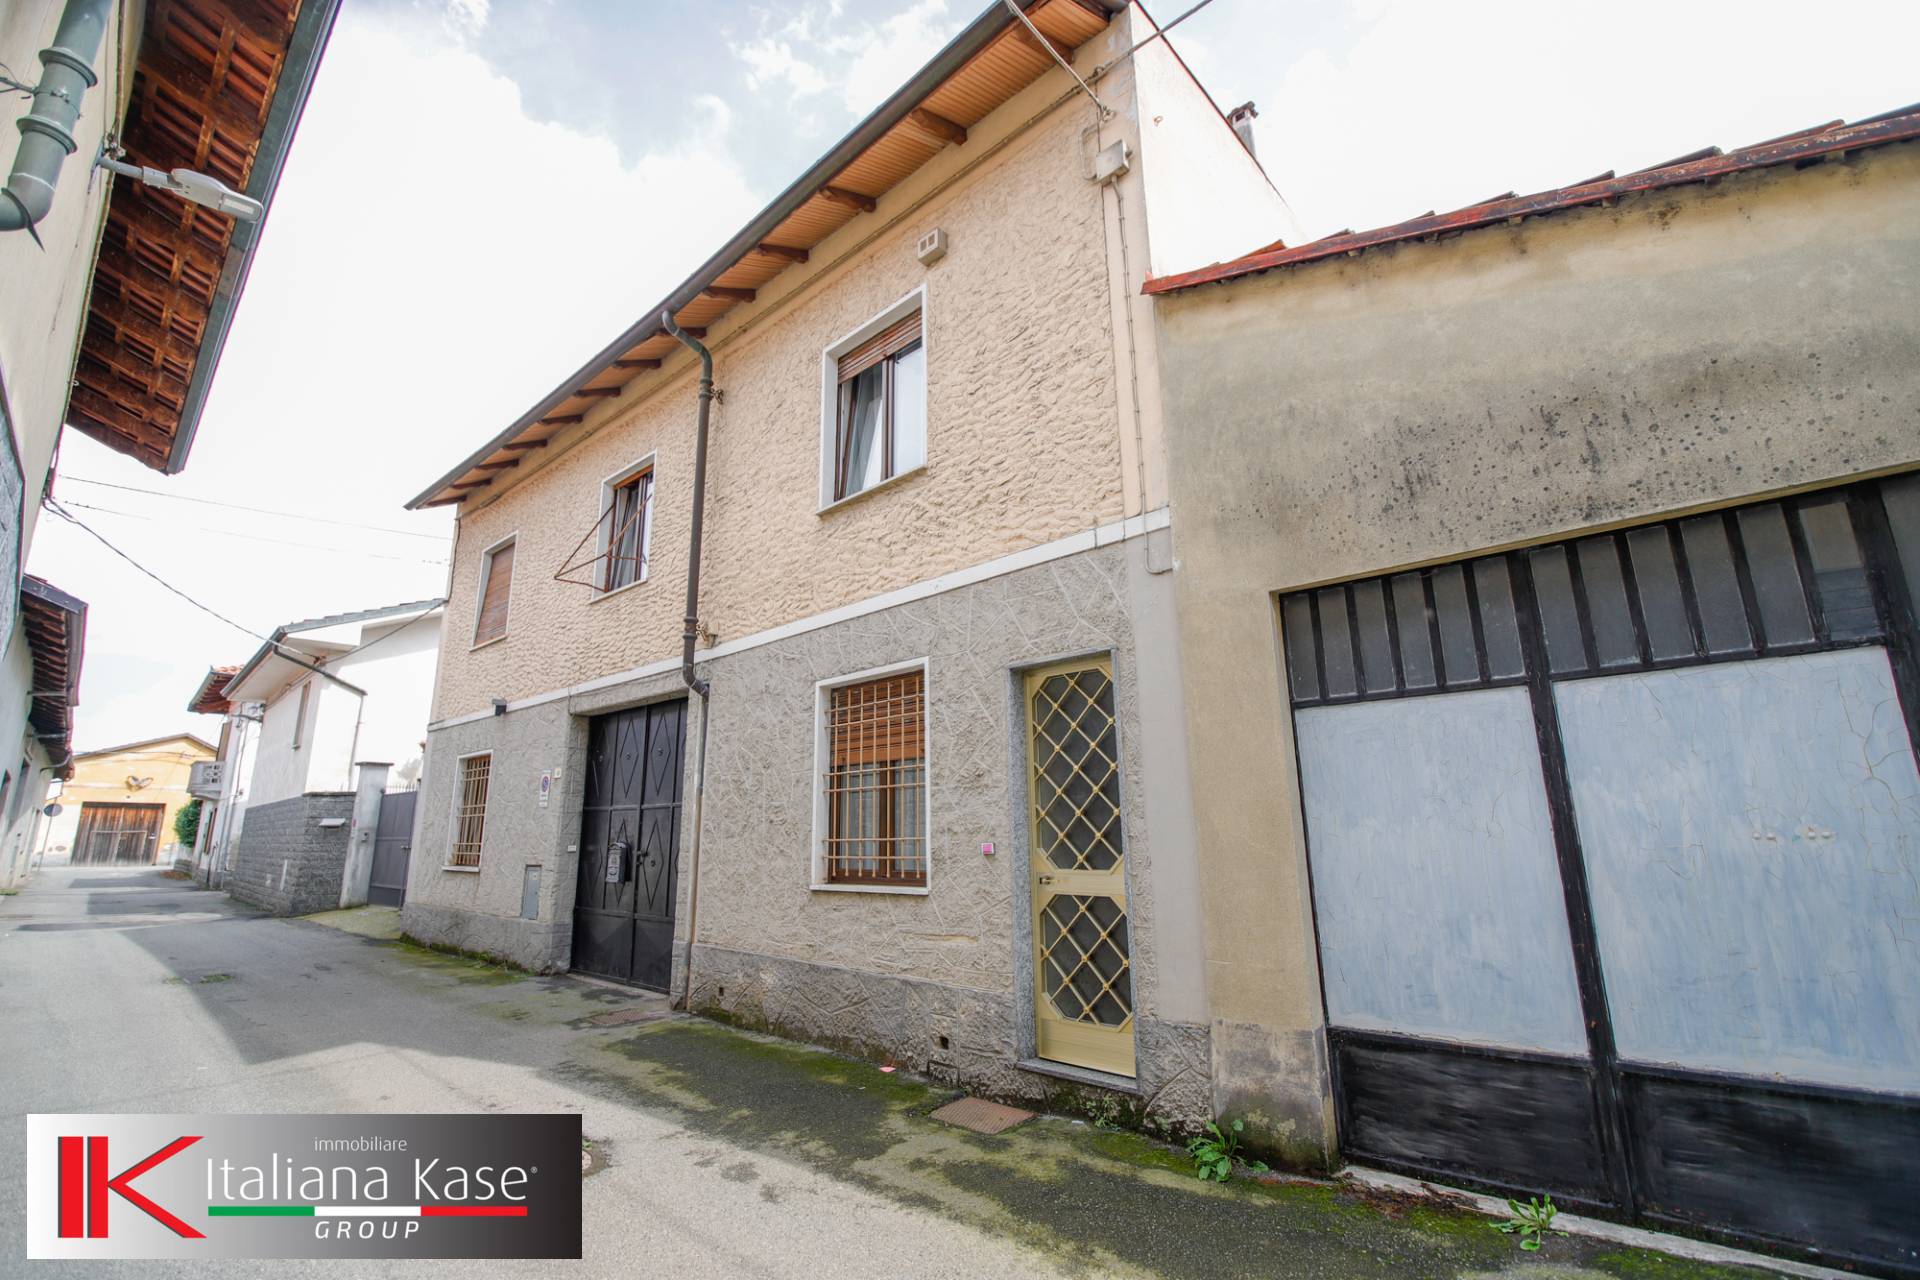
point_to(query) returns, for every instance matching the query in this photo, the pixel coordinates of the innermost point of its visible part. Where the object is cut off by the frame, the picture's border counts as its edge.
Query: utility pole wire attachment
(1013, 7)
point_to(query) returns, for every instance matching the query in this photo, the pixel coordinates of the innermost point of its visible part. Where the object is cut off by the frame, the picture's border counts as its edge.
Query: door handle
(1046, 880)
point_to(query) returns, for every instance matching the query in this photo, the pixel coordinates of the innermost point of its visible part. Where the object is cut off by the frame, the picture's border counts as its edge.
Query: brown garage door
(118, 834)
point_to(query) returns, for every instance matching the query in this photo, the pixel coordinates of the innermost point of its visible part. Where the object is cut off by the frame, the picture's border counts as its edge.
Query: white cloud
(468, 15)
(435, 262)
(815, 51)
(772, 61)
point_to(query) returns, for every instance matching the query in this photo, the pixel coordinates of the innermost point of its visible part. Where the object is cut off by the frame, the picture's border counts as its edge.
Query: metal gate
(118, 834)
(1615, 848)
(629, 846)
(392, 849)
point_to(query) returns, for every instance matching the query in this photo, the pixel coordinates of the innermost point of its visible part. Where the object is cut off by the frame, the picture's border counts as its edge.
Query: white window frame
(453, 813)
(822, 698)
(914, 300)
(603, 544)
(480, 589)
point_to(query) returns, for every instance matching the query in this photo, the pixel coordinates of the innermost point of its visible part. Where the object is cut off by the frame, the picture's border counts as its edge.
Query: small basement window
(496, 593)
(470, 810)
(874, 784)
(880, 406)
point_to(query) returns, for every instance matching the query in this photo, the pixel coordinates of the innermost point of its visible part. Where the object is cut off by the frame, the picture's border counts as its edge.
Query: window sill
(486, 643)
(901, 890)
(466, 871)
(884, 485)
(598, 596)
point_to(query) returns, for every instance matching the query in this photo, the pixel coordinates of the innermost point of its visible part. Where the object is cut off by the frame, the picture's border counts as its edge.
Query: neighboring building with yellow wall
(119, 806)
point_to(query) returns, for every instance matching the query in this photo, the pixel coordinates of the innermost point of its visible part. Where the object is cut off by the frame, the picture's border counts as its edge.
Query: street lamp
(197, 187)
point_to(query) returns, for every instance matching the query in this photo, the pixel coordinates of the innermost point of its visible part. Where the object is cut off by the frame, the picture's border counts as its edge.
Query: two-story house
(861, 677)
(343, 704)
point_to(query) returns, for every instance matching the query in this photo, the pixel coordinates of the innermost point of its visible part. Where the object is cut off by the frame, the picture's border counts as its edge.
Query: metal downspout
(691, 634)
(46, 131)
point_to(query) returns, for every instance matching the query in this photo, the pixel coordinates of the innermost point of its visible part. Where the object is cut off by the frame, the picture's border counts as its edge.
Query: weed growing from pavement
(1215, 1151)
(1530, 1221)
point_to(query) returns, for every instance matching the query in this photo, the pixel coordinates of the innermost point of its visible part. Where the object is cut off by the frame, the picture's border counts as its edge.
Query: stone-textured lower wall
(286, 861)
(879, 974)
(904, 1020)
(540, 946)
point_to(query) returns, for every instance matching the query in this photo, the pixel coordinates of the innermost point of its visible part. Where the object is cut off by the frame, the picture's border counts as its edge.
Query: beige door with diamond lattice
(1083, 973)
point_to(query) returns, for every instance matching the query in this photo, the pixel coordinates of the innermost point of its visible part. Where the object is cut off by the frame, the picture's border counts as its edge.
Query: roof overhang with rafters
(219, 86)
(56, 629)
(1808, 146)
(208, 700)
(989, 62)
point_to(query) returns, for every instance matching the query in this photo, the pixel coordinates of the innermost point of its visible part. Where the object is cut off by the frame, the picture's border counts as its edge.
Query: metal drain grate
(981, 1116)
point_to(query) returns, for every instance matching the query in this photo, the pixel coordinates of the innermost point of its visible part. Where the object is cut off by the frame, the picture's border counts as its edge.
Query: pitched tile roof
(1806, 146)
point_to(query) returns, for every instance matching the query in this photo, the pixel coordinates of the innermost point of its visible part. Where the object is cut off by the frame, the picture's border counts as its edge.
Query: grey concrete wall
(885, 974)
(286, 861)
(1681, 349)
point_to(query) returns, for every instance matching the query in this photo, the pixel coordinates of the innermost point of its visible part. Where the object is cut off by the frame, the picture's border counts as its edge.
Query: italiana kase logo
(349, 1186)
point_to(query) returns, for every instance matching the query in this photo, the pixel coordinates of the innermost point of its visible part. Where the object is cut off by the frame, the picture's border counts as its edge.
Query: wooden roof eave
(811, 187)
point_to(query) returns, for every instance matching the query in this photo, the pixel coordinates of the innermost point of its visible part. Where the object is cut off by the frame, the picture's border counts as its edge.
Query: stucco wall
(21, 822)
(953, 962)
(1023, 444)
(279, 769)
(46, 288)
(1684, 348)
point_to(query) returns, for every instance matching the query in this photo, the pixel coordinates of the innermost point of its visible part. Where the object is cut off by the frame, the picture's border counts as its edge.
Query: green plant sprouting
(1530, 1221)
(1215, 1151)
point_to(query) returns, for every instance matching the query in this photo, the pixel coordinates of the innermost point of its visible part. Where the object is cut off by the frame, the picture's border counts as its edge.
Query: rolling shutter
(891, 340)
(493, 598)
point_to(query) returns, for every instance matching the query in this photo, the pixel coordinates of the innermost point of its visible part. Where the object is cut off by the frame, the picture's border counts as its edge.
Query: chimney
(1241, 118)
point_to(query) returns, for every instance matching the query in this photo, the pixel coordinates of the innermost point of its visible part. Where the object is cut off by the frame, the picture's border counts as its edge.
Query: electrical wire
(255, 537)
(262, 511)
(57, 509)
(72, 519)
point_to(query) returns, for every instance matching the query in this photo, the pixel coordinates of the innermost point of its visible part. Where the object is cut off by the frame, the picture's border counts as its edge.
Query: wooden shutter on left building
(493, 598)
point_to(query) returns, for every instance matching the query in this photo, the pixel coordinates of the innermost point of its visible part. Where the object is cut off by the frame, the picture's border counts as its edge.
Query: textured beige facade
(1022, 442)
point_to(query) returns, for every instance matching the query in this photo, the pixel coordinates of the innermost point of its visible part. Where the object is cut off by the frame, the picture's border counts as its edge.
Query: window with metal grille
(470, 810)
(496, 590)
(874, 789)
(880, 420)
(630, 512)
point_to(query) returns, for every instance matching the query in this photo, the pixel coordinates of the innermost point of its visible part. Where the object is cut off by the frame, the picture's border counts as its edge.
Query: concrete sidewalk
(718, 1153)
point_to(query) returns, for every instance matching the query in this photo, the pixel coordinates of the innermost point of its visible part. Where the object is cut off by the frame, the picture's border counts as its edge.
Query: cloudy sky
(484, 192)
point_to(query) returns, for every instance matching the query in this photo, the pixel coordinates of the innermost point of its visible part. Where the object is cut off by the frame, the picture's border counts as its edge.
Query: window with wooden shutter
(880, 418)
(495, 591)
(875, 787)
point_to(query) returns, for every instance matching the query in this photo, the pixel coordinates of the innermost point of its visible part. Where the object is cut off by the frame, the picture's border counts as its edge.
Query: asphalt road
(105, 1006)
(727, 1154)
